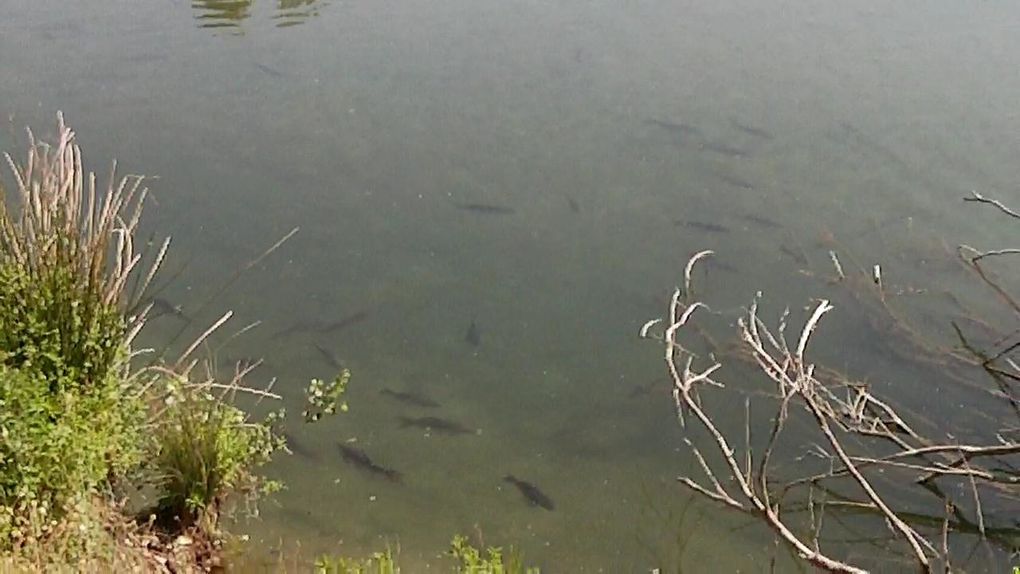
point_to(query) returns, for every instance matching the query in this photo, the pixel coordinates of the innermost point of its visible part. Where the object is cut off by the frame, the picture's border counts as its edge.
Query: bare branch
(977, 197)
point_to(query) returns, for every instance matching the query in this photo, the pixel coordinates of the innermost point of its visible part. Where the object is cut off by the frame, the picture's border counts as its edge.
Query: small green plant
(324, 398)
(378, 563)
(471, 561)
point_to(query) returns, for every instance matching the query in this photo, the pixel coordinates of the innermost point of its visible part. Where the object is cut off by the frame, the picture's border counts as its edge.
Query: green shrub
(75, 421)
(70, 420)
(52, 325)
(58, 448)
(207, 450)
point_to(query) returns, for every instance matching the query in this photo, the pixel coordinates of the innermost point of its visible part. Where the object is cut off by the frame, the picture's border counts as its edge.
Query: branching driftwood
(870, 446)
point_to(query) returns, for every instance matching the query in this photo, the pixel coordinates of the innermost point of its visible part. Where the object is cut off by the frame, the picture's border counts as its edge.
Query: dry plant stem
(977, 197)
(804, 385)
(194, 345)
(237, 275)
(993, 253)
(684, 387)
(973, 265)
(63, 213)
(913, 538)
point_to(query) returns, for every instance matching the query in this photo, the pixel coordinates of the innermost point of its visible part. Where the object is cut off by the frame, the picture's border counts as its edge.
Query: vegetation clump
(207, 450)
(377, 563)
(471, 561)
(468, 559)
(80, 428)
(69, 418)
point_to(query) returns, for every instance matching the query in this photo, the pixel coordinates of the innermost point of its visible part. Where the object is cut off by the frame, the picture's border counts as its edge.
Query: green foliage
(58, 448)
(471, 561)
(68, 420)
(325, 398)
(52, 325)
(378, 563)
(74, 421)
(207, 451)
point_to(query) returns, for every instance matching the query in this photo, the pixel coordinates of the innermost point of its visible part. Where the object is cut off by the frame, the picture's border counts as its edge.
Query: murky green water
(600, 125)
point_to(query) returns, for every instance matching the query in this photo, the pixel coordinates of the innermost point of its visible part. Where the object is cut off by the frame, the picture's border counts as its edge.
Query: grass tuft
(208, 450)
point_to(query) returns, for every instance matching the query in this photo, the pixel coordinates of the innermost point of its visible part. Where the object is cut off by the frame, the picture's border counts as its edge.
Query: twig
(977, 197)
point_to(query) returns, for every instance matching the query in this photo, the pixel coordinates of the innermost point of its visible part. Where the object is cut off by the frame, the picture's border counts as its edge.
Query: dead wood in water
(932, 487)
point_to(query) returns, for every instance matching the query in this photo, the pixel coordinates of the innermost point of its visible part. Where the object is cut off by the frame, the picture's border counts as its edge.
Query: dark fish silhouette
(795, 255)
(162, 307)
(531, 492)
(751, 130)
(347, 321)
(436, 424)
(320, 327)
(485, 208)
(574, 206)
(473, 335)
(410, 398)
(762, 221)
(330, 357)
(358, 458)
(298, 449)
(299, 327)
(677, 129)
(269, 71)
(734, 181)
(702, 226)
(723, 149)
(643, 390)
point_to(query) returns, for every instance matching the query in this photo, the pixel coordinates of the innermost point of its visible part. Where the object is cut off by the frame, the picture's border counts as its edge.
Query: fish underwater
(473, 336)
(679, 130)
(734, 181)
(723, 149)
(330, 357)
(439, 425)
(296, 448)
(322, 327)
(357, 457)
(752, 130)
(485, 208)
(797, 256)
(162, 307)
(344, 322)
(407, 398)
(532, 493)
(572, 203)
(762, 221)
(702, 226)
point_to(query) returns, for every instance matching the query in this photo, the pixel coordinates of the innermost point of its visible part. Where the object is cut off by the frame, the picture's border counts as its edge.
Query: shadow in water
(229, 15)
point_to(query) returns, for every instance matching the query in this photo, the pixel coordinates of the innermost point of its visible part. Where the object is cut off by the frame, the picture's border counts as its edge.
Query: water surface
(597, 126)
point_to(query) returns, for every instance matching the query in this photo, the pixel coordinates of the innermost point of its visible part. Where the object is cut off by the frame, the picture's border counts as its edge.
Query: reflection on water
(230, 14)
(294, 12)
(222, 13)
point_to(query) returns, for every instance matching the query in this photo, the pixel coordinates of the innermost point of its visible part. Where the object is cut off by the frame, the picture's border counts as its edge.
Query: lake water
(621, 137)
